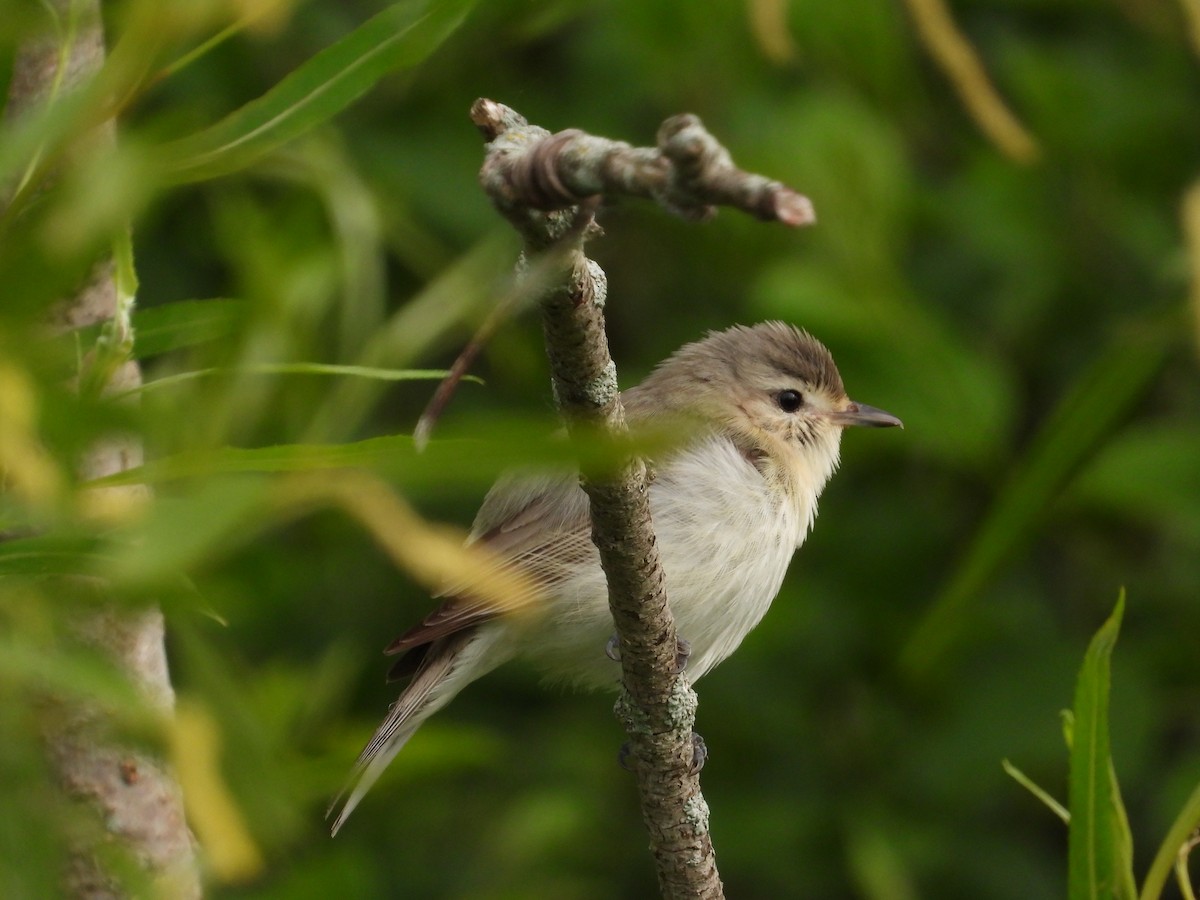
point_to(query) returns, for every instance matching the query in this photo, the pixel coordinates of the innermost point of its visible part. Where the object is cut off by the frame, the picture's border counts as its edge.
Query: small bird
(764, 408)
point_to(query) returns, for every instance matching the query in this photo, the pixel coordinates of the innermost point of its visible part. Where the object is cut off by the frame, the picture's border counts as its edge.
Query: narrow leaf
(1174, 848)
(161, 329)
(1098, 862)
(173, 326)
(41, 555)
(1037, 790)
(265, 460)
(369, 372)
(401, 36)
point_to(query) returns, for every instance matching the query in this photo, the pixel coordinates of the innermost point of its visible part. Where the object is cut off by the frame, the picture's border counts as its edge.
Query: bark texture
(138, 802)
(547, 186)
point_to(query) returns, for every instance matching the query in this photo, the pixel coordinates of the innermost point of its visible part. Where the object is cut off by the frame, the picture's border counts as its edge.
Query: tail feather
(450, 664)
(432, 687)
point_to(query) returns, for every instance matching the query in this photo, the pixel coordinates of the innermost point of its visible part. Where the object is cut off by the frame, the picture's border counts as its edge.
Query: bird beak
(861, 414)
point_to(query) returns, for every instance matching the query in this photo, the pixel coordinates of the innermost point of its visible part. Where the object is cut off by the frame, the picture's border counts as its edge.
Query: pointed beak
(866, 416)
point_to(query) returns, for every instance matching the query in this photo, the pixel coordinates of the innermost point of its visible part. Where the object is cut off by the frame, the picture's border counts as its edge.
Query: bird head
(772, 387)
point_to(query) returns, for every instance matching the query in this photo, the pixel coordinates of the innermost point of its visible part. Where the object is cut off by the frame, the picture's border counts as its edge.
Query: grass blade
(308, 368)
(1099, 864)
(401, 36)
(265, 460)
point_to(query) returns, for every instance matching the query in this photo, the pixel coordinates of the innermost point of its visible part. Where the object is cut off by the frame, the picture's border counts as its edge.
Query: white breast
(725, 537)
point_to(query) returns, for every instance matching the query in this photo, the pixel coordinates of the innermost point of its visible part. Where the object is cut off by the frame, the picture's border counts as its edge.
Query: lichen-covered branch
(137, 800)
(547, 186)
(689, 173)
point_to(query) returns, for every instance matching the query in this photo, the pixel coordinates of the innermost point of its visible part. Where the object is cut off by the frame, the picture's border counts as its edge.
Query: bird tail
(446, 668)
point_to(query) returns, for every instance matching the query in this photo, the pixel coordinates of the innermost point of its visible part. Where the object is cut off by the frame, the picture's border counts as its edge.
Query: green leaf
(1149, 473)
(1181, 829)
(465, 463)
(265, 460)
(401, 36)
(1099, 846)
(173, 326)
(186, 529)
(186, 323)
(368, 372)
(50, 555)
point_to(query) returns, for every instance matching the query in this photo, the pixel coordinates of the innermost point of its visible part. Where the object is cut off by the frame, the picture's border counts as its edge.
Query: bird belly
(725, 549)
(724, 553)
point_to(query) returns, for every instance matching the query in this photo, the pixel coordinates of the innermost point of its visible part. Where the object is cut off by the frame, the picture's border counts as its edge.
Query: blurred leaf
(1100, 856)
(368, 372)
(434, 555)
(470, 463)
(476, 283)
(174, 326)
(1150, 474)
(51, 554)
(188, 529)
(401, 36)
(1092, 407)
(229, 850)
(876, 862)
(257, 734)
(280, 458)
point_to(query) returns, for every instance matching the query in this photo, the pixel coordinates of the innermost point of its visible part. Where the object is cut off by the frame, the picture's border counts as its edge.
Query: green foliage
(310, 169)
(400, 36)
(1101, 844)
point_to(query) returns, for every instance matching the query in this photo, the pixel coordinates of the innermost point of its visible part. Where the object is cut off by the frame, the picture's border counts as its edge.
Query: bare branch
(689, 173)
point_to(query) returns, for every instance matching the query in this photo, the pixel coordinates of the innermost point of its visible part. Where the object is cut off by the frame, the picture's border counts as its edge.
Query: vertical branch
(547, 186)
(657, 707)
(139, 803)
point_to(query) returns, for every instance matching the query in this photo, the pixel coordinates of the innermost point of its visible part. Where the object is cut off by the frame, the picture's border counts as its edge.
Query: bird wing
(538, 524)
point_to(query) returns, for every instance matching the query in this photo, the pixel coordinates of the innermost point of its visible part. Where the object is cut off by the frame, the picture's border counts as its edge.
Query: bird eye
(789, 400)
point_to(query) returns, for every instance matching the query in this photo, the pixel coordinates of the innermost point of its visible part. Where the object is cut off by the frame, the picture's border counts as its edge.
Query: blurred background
(1014, 285)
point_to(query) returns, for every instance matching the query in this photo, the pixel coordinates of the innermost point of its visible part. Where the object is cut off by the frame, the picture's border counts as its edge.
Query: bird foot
(683, 652)
(699, 754)
(613, 648)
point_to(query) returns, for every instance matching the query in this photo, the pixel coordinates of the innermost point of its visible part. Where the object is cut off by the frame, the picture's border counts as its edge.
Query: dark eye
(789, 400)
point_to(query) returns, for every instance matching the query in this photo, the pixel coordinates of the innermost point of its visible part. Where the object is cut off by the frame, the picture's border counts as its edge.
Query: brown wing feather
(543, 529)
(454, 615)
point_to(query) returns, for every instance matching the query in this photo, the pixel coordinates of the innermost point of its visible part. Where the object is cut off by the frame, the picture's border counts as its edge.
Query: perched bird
(764, 408)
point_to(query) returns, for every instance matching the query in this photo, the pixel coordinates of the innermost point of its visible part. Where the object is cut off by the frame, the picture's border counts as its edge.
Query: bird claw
(623, 757)
(699, 754)
(613, 648)
(683, 652)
